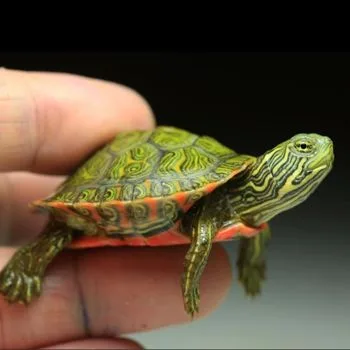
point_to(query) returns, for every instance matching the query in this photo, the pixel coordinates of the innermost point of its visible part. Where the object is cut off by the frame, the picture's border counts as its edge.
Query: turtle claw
(19, 286)
(251, 277)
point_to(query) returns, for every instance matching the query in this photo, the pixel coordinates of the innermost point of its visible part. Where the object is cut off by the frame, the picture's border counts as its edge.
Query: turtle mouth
(327, 160)
(322, 167)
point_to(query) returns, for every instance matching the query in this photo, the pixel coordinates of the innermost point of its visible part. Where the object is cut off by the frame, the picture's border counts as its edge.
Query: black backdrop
(248, 100)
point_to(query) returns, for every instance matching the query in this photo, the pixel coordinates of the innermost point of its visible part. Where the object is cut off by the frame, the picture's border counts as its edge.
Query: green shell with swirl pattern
(148, 177)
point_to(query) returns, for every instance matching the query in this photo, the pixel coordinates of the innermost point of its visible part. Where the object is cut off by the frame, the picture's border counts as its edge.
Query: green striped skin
(279, 180)
(146, 182)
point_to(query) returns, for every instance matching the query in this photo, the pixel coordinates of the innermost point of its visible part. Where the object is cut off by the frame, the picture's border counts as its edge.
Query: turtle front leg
(21, 278)
(203, 233)
(251, 262)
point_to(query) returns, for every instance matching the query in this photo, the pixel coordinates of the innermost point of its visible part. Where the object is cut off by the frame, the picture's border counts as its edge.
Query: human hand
(48, 123)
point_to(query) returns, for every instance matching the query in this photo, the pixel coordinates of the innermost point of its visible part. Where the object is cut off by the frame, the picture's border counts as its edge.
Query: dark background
(251, 102)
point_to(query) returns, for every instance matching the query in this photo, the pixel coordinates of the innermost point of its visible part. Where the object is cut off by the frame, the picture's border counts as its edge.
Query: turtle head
(286, 176)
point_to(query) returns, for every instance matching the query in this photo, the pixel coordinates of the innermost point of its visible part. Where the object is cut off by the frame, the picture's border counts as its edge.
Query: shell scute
(212, 146)
(182, 162)
(169, 138)
(129, 139)
(134, 165)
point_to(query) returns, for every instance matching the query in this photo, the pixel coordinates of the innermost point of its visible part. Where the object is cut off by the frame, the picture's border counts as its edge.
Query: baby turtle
(168, 186)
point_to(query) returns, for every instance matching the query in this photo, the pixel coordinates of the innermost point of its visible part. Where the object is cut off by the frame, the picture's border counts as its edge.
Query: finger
(99, 344)
(51, 121)
(110, 292)
(18, 223)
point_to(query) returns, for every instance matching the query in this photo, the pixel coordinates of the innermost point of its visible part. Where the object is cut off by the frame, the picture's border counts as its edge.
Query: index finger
(50, 121)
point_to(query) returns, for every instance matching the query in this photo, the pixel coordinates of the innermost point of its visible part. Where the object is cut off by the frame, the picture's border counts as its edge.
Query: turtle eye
(304, 146)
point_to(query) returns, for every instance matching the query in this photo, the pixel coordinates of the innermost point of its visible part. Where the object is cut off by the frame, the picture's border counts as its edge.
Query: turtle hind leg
(251, 262)
(21, 278)
(196, 259)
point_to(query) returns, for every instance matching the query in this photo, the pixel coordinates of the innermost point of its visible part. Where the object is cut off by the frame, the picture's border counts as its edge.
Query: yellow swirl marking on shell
(212, 146)
(126, 193)
(168, 188)
(226, 168)
(169, 138)
(116, 170)
(88, 195)
(195, 159)
(169, 164)
(90, 170)
(66, 196)
(135, 164)
(141, 190)
(127, 139)
(184, 162)
(111, 193)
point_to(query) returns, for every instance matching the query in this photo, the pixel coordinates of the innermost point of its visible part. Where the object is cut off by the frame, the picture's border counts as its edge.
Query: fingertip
(144, 120)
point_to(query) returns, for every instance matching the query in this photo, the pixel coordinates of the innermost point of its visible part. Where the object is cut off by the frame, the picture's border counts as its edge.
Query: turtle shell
(142, 182)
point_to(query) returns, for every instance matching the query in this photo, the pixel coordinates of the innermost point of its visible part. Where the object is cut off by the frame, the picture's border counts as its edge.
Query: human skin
(91, 298)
